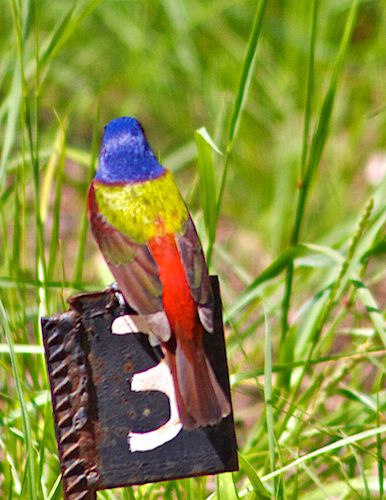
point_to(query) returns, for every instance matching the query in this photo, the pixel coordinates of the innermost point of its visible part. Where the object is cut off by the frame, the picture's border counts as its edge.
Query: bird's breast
(136, 209)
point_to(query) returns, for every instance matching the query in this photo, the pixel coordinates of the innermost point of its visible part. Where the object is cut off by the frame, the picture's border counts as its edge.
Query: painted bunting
(147, 237)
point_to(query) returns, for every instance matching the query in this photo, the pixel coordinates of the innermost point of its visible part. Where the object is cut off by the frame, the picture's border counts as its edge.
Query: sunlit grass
(272, 116)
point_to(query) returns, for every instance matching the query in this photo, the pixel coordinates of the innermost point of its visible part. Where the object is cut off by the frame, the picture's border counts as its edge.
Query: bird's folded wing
(133, 268)
(193, 260)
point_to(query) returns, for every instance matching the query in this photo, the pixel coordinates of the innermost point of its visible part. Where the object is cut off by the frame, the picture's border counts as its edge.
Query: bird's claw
(117, 293)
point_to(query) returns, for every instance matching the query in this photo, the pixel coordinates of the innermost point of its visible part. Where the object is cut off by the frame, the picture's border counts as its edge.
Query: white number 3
(157, 378)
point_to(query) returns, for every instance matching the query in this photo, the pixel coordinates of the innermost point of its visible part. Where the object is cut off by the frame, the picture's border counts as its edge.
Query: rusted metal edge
(68, 372)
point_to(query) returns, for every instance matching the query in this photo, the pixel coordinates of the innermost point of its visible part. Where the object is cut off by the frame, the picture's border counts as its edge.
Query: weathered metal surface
(91, 374)
(71, 396)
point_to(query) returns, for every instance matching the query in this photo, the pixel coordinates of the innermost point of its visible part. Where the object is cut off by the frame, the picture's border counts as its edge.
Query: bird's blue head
(126, 156)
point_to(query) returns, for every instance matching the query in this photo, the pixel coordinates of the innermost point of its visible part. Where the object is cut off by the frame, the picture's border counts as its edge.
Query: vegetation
(292, 216)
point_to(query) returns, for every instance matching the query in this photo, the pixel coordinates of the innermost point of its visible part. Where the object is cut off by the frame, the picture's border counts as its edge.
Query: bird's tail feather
(203, 398)
(186, 419)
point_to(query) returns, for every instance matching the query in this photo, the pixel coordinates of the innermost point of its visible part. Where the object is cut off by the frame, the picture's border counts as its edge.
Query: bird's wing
(133, 268)
(196, 271)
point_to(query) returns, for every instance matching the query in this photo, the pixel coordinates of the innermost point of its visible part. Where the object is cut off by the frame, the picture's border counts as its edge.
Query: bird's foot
(117, 293)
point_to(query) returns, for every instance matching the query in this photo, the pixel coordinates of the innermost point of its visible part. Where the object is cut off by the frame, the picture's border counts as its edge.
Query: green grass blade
(275, 269)
(225, 487)
(242, 93)
(257, 485)
(379, 248)
(84, 220)
(58, 37)
(10, 282)
(13, 109)
(316, 149)
(239, 377)
(205, 147)
(376, 316)
(43, 447)
(58, 161)
(55, 488)
(66, 28)
(15, 482)
(380, 457)
(327, 449)
(30, 458)
(306, 131)
(22, 349)
(246, 74)
(268, 395)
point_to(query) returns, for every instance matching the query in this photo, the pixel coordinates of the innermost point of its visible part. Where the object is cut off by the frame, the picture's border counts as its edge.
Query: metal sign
(116, 416)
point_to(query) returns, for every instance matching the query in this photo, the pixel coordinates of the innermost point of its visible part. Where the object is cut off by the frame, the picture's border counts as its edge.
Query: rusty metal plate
(114, 416)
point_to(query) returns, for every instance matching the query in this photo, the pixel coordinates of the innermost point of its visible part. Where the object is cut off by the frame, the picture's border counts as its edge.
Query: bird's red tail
(201, 401)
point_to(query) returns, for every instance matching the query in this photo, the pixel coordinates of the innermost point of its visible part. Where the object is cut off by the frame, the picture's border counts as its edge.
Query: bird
(147, 237)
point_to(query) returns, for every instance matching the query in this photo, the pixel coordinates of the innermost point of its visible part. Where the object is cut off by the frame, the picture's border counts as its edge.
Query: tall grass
(272, 116)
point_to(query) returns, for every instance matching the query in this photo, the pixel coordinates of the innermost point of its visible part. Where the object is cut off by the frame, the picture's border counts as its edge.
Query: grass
(272, 115)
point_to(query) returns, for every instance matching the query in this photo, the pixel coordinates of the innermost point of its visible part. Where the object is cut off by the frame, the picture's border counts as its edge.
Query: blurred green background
(66, 69)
